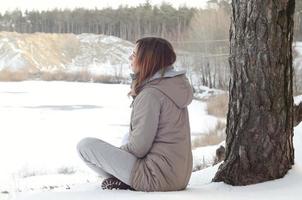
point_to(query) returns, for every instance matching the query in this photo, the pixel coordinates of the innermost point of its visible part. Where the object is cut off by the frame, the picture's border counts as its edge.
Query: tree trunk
(259, 143)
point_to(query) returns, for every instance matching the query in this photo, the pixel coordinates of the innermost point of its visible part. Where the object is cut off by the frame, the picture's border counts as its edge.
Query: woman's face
(133, 60)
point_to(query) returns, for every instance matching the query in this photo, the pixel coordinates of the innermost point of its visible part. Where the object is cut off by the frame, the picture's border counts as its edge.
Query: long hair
(153, 54)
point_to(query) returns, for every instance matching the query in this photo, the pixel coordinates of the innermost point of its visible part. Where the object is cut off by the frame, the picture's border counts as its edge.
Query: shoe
(114, 183)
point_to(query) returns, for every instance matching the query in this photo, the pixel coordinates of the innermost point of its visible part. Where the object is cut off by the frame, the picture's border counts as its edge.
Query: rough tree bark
(259, 143)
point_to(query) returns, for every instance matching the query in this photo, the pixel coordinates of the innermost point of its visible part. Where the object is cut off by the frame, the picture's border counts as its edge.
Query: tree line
(125, 22)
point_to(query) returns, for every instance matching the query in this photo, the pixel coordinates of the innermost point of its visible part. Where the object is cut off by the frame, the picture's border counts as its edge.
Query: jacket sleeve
(144, 124)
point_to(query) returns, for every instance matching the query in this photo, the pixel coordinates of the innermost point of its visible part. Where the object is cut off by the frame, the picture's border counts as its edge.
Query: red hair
(153, 54)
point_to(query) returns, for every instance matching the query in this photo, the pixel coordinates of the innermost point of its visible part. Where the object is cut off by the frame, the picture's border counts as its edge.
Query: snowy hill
(49, 52)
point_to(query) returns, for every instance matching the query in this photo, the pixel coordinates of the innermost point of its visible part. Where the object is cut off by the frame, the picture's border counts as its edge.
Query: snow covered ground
(41, 123)
(298, 99)
(200, 187)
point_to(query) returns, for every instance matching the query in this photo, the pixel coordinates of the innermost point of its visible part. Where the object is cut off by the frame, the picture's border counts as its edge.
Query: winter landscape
(41, 133)
(63, 84)
(52, 116)
(41, 161)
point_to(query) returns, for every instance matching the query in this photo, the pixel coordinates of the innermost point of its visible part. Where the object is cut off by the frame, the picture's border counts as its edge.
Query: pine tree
(259, 143)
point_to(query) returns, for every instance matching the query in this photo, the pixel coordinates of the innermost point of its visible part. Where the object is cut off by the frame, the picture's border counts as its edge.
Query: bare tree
(208, 33)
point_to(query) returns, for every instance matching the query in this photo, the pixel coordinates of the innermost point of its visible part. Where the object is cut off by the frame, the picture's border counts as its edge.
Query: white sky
(50, 4)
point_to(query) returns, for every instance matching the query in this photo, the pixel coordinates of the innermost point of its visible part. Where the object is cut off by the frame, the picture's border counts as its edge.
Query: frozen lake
(41, 123)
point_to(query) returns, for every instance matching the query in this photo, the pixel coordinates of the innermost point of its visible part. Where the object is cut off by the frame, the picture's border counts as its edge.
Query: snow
(41, 123)
(203, 123)
(46, 120)
(102, 55)
(200, 187)
(297, 99)
(93, 38)
(297, 62)
(10, 55)
(205, 155)
(204, 92)
(41, 52)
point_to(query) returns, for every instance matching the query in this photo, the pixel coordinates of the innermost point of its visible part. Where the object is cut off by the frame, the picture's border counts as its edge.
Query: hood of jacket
(174, 84)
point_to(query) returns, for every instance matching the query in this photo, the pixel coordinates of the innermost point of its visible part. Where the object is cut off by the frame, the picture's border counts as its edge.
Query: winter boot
(114, 183)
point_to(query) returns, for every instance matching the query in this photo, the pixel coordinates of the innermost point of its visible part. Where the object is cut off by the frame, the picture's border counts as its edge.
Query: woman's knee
(85, 143)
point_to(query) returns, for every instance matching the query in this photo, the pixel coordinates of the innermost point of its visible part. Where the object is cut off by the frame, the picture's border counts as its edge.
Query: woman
(157, 155)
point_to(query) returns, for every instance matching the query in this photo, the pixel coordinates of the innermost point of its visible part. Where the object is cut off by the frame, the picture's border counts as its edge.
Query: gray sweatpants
(106, 159)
